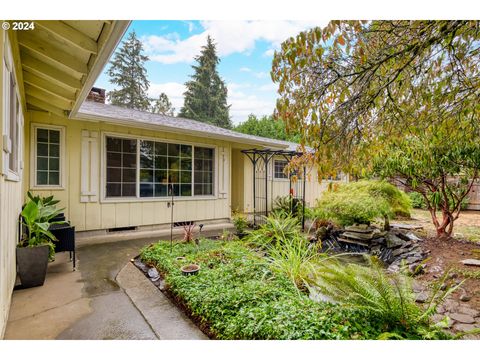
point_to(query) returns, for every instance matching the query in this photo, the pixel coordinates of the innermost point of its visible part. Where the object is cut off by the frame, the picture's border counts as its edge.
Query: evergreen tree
(128, 72)
(206, 96)
(162, 105)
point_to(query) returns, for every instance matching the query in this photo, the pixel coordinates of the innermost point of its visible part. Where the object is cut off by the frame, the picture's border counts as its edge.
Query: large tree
(206, 96)
(352, 85)
(127, 71)
(162, 105)
(405, 92)
(266, 126)
(440, 166)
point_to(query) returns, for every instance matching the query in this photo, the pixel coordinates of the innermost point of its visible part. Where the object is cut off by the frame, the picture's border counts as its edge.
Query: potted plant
(36, 245)
(240, 223)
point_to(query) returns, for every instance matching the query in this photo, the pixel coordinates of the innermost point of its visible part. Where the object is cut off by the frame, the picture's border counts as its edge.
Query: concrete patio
(106, 298)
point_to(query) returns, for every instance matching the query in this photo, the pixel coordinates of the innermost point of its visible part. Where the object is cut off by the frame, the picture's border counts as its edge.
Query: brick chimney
(97, 95)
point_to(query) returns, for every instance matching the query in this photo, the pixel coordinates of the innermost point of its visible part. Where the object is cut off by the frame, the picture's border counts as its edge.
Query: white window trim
(8, 68)
(137, 198)
(275, 178)
(33, 157)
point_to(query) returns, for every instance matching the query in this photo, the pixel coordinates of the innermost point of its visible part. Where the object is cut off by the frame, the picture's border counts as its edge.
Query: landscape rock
(465, 297)
(153, 273)
(406, 226)
(361, 228)
(451, 305)
(139, 264)
(394, 241)
(438, 317)
(464, 327)
(468, 311)
(421, 297)
(359, 236)
(471, 262)
(463, 318)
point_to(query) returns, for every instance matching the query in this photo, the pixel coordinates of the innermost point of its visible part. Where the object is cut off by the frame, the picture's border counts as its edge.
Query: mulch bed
(448, 254)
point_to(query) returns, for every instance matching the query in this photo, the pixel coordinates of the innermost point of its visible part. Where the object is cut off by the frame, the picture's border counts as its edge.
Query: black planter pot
(32, 265)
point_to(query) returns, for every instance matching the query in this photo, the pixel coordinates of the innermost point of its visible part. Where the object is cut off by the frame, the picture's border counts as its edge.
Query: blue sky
(244, 47)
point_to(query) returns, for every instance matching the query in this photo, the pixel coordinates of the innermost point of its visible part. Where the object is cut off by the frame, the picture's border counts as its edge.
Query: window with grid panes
(164, 165)
(121, 167)
(47, 156)
(279, 166)
(203, 171)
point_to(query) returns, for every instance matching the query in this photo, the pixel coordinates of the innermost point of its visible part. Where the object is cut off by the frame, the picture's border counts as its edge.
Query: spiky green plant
(277, 227)
(389, 296)
(297, 259)
(287, 249)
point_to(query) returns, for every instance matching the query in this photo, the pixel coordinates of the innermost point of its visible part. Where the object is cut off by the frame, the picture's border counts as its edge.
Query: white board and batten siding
(11, 181)
(84, 199)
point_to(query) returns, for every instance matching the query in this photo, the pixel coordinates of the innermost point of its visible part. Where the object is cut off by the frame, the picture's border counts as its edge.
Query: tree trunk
(445, 228)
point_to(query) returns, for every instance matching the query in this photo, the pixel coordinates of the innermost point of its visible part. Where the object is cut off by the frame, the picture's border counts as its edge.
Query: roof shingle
(114, 113)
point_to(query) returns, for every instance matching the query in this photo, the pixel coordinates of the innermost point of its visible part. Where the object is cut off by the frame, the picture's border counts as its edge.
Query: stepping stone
(471, 262)
(464, 327)
(422, 297)
(406, 226)
(468, 311)
(466, 319)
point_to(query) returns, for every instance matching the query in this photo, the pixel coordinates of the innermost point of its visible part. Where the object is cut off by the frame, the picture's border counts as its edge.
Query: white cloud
(173, 90)
(270, 52)
(268, 87)
(243, 98)
(245, 69)
(230, 36)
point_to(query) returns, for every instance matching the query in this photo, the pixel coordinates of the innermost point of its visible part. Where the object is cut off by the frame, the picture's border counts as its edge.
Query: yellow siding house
(112, 168)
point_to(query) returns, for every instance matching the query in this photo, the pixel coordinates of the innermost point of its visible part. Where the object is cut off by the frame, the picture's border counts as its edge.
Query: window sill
(163, 199)
(46, 188)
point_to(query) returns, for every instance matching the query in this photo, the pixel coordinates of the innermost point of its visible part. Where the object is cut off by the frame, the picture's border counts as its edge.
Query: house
(110, 167)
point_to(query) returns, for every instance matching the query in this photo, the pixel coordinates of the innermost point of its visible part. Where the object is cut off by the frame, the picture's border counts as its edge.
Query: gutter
(114, 38)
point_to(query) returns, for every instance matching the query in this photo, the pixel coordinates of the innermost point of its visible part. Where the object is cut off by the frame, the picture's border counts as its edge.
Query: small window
(13, 120)
(279, 167)
(203, 171)
(121, 167)
(48, 156)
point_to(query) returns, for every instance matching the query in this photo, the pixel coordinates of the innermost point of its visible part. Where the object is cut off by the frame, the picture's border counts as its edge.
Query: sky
(245, 49)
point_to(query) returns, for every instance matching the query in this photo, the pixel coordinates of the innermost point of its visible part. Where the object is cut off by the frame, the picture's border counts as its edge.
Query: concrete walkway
(161, 314)
(94, 303)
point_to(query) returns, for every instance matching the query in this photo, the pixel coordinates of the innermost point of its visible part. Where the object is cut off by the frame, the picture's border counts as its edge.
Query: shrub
(240, 223)
(277, 228)
(417, 200)
(287, 205)
(364, 201)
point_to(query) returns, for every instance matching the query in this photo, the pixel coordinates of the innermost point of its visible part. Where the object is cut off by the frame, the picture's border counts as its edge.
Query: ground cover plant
(238, 295)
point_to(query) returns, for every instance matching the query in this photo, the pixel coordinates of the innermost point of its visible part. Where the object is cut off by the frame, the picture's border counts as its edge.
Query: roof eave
(143, 125)
(113, 39)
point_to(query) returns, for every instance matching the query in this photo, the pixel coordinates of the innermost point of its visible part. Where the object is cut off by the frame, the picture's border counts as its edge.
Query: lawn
(467, 226)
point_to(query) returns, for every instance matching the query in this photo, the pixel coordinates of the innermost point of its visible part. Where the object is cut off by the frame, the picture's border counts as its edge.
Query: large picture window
(161, 166)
